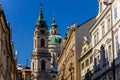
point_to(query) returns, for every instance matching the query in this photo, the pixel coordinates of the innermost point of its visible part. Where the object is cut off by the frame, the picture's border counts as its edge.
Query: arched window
(102, 52)
(42, 42)
(55, 32)
(43, 65)
(33, 65)
(35, 44)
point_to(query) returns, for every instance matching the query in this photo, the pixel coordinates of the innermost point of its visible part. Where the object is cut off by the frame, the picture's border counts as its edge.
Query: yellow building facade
(26, 73)
(67, 59)
(69, 67)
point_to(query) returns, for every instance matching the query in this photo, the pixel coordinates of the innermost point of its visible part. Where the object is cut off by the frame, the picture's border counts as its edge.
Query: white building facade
(105, 41)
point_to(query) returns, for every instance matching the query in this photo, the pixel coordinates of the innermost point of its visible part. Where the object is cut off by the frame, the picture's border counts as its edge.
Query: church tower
(54, 45)
(40, 59)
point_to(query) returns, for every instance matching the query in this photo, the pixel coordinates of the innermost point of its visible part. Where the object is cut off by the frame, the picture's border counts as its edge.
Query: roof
(26, 67)
(89, 21)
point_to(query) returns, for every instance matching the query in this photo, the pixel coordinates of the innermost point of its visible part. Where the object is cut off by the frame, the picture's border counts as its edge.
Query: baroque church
(46, 49)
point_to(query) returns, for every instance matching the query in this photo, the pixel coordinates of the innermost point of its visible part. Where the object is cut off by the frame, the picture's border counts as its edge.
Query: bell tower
(54, 46)
(40, 59)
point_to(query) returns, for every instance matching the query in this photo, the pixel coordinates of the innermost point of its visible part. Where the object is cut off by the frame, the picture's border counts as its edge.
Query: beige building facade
(86, 60)
(23, 73)
(69, 59)
(66, 62)
(8, 70)
(26, 73)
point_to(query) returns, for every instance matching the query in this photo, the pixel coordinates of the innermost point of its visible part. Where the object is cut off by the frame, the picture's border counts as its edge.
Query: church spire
(54, 28)
(54, 22)
(41, 13)
(53, 19)
(41, 22)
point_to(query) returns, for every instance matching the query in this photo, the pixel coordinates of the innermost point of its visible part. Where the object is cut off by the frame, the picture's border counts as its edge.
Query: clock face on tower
(42, 31)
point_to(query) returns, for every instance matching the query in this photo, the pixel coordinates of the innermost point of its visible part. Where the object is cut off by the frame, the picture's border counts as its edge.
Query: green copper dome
(55, 39)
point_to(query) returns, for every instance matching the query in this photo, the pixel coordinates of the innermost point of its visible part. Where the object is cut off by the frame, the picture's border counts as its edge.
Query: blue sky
(22, 15)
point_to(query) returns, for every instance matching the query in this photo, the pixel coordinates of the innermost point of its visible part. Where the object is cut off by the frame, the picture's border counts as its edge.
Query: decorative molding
(108, 40)
(96, 51)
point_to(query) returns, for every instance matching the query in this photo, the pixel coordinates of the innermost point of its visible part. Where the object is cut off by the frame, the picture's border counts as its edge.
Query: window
(117, 45)
(95, 39)
(35, 44)
(98, 60)
(108, 24)
(43, 65)
(97, 36)
(82, 65)
(95, 63)
(115, 13)
(87, 62)
(42, 31)
(110, 53)
(106, 55)
(102, 52)
(42, 42)
(91, 59)
(103, 30)
(33, 65)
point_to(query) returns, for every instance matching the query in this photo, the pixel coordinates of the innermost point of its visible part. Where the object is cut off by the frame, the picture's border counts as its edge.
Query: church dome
(55, 39)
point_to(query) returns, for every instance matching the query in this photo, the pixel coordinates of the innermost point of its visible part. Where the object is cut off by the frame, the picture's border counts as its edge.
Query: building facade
(67, 59)
(19, 72)
(116, 37)
(86, 60)
(104, 44)
(26, 73)
(8, 70)
(105, 41)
